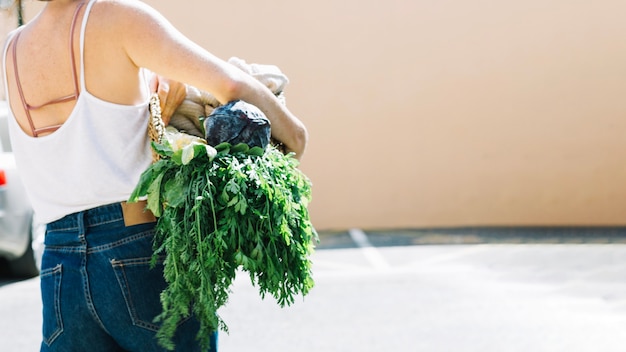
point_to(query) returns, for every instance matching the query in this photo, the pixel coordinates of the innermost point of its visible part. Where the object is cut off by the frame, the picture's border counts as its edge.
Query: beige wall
(8, 21)
(443, 113)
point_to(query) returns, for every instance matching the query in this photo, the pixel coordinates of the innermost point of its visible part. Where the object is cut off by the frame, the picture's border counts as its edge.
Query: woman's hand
(171, 93)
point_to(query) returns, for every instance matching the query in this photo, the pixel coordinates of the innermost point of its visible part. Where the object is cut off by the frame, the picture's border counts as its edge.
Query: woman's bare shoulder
(120, 5)
(127, 13)
(127, 22)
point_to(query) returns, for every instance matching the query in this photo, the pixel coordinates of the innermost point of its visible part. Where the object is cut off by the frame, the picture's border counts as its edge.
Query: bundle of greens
(221, 210)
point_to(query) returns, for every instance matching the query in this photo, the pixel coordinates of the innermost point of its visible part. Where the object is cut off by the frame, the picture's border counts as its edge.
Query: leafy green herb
(221, 210)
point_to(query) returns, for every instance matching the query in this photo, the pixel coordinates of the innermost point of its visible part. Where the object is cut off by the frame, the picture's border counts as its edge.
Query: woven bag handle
(156, 127)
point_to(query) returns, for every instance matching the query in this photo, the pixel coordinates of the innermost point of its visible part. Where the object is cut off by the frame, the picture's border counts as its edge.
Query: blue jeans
(98, 290)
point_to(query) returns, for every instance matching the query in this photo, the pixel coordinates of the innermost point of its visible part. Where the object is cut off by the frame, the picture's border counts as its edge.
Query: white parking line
(370, 252)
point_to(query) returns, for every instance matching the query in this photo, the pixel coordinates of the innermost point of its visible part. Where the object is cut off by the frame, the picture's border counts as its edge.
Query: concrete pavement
(373, 295)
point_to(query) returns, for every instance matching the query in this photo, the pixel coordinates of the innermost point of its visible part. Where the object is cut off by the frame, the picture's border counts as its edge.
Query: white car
(21, 236)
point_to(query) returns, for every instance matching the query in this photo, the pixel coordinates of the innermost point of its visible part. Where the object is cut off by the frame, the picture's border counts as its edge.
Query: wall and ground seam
(442, 114)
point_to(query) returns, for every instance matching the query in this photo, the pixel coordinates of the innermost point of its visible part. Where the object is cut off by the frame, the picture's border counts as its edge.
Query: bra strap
(27, 107)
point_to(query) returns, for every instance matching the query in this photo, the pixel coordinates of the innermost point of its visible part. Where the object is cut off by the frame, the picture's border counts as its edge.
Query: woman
(78, 97)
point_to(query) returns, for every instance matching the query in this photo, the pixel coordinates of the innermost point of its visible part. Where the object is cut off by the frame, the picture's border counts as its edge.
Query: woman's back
(101, 147)
(43, 59)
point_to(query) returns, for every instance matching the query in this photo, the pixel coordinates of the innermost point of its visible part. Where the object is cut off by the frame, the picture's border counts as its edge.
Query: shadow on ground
(504, 235)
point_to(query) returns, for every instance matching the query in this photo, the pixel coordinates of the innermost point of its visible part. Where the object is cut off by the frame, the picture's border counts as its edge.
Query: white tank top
(95, 158)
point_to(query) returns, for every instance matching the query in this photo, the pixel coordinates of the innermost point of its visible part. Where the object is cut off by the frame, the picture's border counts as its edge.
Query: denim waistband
(101, 215)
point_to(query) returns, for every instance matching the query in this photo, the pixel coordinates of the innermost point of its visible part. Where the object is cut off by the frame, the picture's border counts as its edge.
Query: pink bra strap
(27, 107)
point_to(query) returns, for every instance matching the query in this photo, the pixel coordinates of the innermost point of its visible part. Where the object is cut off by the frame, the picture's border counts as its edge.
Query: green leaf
(210, 152)
(239, 148)
(232, 186)
(242, 206)
(224, 196)
(188, 153)
(256, 151)
(175, 191)
(223, 147)
(177, 157)
(232, 201)
(162, 149)
(154, 196)
(144, 183)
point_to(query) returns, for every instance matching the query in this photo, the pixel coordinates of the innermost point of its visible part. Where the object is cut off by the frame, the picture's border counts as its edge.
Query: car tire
(26, 265)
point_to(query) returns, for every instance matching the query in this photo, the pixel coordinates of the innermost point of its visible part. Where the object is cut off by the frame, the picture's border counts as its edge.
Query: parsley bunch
(221, 210)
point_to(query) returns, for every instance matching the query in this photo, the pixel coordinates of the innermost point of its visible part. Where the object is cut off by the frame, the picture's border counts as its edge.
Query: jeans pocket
(51, 298)
(141, 286)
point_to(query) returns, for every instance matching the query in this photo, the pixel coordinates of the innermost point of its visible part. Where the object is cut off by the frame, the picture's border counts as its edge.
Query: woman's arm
(151, 41)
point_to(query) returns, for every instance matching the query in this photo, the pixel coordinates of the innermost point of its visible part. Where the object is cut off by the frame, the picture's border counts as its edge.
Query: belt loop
(81, 222)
